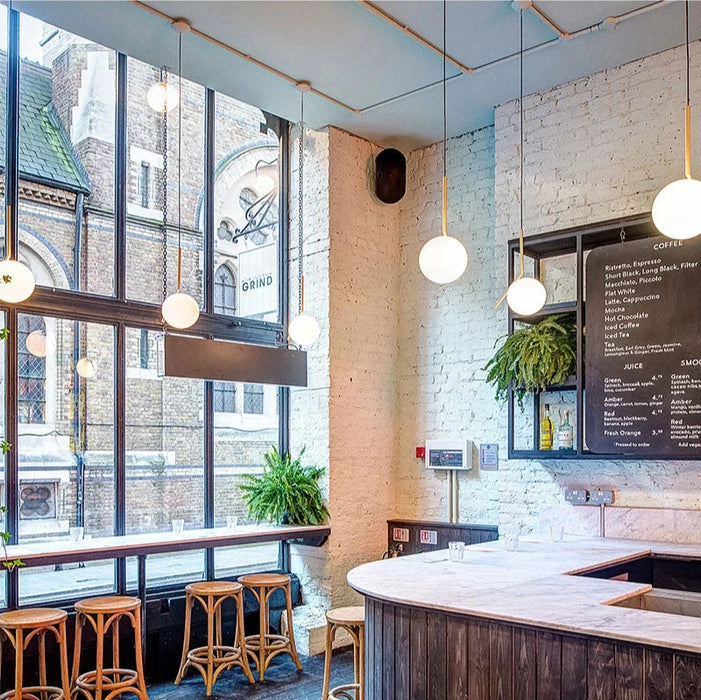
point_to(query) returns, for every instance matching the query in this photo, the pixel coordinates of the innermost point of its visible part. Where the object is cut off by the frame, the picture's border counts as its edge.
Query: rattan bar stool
(264, 646)
(20, 627)
(216, 657)
(104, 613)
(351, 619)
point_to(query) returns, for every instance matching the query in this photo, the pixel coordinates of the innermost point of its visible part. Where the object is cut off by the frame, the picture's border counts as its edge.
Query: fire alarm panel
(448, 454)
(400, 534)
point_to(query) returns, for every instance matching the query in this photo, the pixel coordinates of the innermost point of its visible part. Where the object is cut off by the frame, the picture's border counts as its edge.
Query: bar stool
(351, 619)
(212, 659)
(103, 613)
(20, 627)
(264, 646)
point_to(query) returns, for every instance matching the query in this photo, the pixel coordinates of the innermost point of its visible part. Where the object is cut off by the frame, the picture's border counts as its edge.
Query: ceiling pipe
(245, 57)
(607, 23)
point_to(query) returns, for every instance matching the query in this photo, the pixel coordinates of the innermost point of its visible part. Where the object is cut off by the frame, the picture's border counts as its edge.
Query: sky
(31, 32)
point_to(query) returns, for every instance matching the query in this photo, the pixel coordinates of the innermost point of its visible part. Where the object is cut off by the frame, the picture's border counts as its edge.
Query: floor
(282, 682)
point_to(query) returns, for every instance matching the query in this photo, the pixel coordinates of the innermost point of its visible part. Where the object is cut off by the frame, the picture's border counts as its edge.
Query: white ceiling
(348, 52)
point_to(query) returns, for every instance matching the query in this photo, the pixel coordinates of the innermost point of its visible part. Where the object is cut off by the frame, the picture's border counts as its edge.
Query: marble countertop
(533, 586)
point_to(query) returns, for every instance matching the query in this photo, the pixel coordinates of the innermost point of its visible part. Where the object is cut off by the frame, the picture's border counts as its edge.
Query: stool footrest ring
(36, 692)
(344, 692)
(112, 679)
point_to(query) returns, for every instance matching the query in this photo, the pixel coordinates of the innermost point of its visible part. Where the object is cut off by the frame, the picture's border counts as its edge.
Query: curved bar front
(520, 624)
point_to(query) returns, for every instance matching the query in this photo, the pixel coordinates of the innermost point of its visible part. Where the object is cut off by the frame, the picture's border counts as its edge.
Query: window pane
(240, 441)
(3, 492)
(66, 158)
(65, 403)
(246, 212)
(165, 456)
(146, 171)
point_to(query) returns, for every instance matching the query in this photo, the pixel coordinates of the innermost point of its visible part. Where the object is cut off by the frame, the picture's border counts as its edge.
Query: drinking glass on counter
(557, 532)
(456, 550)
(76, 534)
(232, 522)
(511, 541)
(178, 525)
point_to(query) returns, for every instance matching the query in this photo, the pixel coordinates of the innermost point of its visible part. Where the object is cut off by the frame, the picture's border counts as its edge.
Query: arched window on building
(31, 388)
(224, 291)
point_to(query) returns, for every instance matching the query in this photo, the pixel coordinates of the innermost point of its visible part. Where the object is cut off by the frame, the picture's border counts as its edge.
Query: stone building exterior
(66, 223)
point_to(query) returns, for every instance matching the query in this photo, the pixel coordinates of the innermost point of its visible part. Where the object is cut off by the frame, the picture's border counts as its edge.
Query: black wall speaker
(390, 175)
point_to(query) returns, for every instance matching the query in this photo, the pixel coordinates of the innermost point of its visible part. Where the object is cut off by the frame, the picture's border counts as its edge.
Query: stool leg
(186, 638)
(290, 629)
(19, 662)
(140, 677)
(100, 661)
(327, 660)
(240, 638)
(218, 619)
(42, 659)
(77, 646)
(63, 650)
(115, 649)
(210, 645)
(263, 623)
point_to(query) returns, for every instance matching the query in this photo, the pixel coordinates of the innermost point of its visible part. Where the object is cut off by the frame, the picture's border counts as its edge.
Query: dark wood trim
(417, 654)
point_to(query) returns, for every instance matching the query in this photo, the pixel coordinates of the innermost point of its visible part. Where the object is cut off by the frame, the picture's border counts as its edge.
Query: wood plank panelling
(402, 659)
(501, 662)
(437, 675)
(414, 654)
(549, 656)
(629, 672)
(478, 659)
(659, 675)
(601, 670)
(419, 658)
(388, 651)
(574, 668)
(524, 664)
(456, 658)
(687, 682)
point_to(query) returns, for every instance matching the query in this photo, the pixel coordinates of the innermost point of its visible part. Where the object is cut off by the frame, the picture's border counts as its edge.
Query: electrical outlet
(577, 497)
(599, 497)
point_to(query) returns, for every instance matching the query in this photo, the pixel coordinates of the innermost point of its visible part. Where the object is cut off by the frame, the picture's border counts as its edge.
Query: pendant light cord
(180, 150)
(687, 111)
(300, 216)
(164, 136)
(445, 130)
(520, 109)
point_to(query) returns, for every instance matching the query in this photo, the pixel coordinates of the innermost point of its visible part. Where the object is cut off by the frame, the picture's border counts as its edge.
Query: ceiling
(389, 79)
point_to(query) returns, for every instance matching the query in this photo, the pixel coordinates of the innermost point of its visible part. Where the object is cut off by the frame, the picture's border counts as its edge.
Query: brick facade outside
(164, 416)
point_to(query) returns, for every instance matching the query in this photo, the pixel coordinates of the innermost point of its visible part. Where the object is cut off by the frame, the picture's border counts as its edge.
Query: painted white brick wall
(595, 149)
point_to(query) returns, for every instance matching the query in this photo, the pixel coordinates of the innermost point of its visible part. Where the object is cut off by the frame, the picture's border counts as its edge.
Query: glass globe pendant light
(16, 279)
(676, 211)
(443, 259)
(179, 309)
(526, 295)
(303, 329)
(162, 96)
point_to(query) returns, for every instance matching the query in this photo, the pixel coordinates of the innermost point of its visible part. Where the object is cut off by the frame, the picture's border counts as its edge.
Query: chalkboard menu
(643, 348)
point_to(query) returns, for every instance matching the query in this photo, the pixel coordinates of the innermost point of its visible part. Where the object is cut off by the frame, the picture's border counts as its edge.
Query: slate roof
(45, 150)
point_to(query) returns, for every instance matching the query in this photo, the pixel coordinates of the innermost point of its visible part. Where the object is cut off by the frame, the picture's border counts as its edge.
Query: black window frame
(120, 312)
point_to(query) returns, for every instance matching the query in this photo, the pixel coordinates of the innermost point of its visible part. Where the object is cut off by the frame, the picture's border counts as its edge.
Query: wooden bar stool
(214, 658)
(103, 613)
(20, 627)
(351, 619)
(265, 646)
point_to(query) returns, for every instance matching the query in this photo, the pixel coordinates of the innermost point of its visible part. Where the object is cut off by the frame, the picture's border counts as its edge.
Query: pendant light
(526, 295)
(443, 259)
(676, 210)
(16, 279)
(179, 310)
(303, 329)
(162, 96)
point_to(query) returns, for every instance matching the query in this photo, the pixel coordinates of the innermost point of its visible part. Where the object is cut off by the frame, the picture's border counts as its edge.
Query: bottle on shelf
(565, 433)
(546, 430)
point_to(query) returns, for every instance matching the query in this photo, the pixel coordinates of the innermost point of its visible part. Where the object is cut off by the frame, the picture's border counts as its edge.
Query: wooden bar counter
(522, 625)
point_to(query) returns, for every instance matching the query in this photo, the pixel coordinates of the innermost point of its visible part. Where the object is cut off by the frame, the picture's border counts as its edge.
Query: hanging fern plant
(534, 357)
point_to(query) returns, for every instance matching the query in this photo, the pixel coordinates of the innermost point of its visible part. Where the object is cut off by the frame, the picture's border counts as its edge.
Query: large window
(103, 440)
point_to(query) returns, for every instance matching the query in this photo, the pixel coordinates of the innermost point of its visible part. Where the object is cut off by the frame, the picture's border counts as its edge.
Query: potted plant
(286, 491)
(534, 357)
